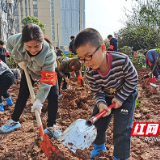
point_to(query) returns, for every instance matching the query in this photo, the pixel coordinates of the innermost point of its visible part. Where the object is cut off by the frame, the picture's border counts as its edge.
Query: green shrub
(138, 60)
(137, 103)
(126, 50)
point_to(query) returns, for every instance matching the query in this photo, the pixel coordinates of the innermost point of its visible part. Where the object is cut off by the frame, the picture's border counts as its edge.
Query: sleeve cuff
(104, 102)
(120, 99)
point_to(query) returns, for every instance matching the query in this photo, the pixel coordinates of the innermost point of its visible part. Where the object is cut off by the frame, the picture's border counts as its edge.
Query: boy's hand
(102, 107)
(117, 103)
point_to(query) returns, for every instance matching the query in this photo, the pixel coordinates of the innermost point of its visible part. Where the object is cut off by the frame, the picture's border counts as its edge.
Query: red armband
(70, 49)
(49, 77)
(7, 54)
(111, 47)
(80, 78)
(149, 62)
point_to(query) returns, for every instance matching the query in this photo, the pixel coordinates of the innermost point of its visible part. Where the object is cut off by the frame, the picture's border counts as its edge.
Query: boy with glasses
(112, 79)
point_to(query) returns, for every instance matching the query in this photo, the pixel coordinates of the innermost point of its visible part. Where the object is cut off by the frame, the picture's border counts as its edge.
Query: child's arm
(96, 90)
(130, 81)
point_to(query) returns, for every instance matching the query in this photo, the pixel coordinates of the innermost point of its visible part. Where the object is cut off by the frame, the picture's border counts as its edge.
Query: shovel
(81, 133)
(45, 143)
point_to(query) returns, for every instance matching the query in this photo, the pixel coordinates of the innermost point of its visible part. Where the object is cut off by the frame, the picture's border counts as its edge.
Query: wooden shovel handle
(45, 144)
(93, 119)
(33, 97)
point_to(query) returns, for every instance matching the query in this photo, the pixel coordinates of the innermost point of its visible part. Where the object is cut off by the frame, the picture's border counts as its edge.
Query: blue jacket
(113, 45)
(152, 55)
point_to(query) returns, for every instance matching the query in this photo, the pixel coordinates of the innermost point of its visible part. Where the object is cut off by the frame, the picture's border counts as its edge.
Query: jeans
(122, 126)
(6, 80)
(24, 95)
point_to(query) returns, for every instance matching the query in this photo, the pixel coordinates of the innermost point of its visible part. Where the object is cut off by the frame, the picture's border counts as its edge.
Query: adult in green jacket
(30, 49)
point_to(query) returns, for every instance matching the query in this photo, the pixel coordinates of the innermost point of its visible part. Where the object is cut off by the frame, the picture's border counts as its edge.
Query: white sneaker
(55, 131)
(10, 126)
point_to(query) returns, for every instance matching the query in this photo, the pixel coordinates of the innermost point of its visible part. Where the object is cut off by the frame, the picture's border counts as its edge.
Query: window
(34, 2)
(34, 10)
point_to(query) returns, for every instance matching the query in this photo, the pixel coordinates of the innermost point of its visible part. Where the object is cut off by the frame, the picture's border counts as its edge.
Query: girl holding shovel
(68, 65)
(31, 50)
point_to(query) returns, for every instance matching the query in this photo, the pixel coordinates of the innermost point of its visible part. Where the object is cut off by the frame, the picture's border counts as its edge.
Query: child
(68, 65)
(17, 75)
(3, 52)
(6, 80)
(30, 49)
(112, 79)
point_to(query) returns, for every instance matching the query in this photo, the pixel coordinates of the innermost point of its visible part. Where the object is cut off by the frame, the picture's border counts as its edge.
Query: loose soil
(23, 144)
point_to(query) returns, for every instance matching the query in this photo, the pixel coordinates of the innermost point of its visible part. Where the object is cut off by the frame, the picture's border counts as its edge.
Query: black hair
(46, 38)
(88, 35)
(74, 61)
(32, 32)
(57, 47)
(109, 36)
(1, 42)
(72, 37)
(145, 53)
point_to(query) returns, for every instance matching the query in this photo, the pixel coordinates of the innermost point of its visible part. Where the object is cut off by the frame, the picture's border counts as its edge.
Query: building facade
(7, 9)
(62, 18)
(36, 8)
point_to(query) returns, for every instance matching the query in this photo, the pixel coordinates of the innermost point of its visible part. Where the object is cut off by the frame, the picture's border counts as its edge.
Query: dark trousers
(64, 86)
(123, 120)
(156, 70)
(24, 95)
(59, 79)
(6, 80)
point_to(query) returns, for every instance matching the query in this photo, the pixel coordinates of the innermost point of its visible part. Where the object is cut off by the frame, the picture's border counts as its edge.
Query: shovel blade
(79, 135)
(47, 148)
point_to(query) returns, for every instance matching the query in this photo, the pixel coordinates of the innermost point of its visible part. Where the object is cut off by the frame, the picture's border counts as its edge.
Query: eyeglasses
(89, 57)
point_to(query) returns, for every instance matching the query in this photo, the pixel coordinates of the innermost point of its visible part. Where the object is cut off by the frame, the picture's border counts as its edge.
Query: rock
(22, 120)
(137, 116)
(145, 111)
(147, 116)
(73, 114)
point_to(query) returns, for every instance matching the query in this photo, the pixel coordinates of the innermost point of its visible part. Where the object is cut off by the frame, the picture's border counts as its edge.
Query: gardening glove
(37, 105)
(22, 64)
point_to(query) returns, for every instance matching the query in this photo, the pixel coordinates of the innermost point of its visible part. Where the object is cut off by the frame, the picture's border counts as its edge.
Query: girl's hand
(118, 104)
